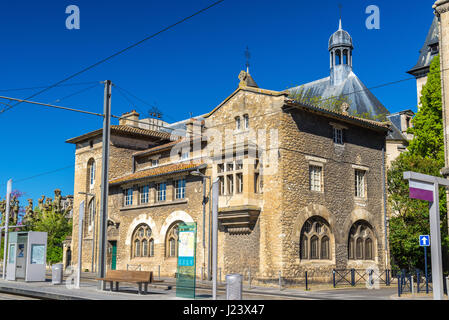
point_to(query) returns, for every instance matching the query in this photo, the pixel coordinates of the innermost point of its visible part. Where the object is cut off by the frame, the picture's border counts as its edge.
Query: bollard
(159, 272)
(126, 267)
(399, 286)
(280, 280)
(219, 277)
(447, 286)
(353, 277)
(307, 284)
(333, 277)
(249, 277)
(387, 280)
(412, 287)
(417, 280)
(202, 273)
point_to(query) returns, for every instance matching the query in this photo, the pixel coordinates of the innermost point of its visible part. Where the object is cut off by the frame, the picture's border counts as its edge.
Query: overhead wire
(117, 53)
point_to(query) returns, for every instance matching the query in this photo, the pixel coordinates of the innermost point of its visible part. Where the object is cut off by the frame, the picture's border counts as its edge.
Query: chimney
(193, 128)
(130, 119)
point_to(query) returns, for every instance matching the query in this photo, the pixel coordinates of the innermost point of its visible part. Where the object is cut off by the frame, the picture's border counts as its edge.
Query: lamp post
(197, 173)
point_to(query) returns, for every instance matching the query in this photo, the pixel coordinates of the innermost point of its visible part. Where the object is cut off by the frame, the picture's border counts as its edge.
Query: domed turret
(340, 38)
(340, 49)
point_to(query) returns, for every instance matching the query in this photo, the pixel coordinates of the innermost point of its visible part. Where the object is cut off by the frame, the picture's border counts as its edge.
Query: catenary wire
(117, 53)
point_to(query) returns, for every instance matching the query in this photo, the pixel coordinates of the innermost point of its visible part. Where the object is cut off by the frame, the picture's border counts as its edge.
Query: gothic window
(143, 243)
(325, 248)
(315, 239)
(171, 240)
(361, 242)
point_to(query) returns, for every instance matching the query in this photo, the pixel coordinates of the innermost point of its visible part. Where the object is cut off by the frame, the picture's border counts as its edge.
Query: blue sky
(190, 68)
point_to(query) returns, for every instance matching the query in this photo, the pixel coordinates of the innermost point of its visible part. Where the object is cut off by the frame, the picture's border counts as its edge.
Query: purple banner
(421, 194)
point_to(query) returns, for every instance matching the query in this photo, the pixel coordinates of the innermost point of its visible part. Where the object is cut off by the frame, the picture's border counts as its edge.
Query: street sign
(421, 190)
(425, 187)
(424, 240)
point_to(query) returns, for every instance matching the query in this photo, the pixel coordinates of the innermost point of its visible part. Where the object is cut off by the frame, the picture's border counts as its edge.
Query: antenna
(155, 112)
(248, 56)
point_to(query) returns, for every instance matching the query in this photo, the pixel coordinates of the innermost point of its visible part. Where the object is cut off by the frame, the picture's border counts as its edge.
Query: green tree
(410, 217)
(425, 154)
(428, 122)
(57, 226)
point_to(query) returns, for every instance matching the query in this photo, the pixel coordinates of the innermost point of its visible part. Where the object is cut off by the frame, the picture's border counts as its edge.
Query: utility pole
(6, 217)
(104, 184)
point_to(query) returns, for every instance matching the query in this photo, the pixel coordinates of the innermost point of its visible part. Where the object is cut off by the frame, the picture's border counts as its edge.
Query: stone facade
(261, 146)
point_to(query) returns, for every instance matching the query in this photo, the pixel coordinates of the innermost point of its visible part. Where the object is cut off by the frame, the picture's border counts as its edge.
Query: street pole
(104, 184)
(204, 220)
(435, 243)
(209, 253)
(80, 244)
(425, 269)
(214, 236)
(5, 243)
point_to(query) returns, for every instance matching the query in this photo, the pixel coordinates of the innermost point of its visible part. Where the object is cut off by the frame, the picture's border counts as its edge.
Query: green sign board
(186, 274)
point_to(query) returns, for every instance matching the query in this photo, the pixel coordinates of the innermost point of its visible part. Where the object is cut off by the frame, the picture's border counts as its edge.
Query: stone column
(441, 8)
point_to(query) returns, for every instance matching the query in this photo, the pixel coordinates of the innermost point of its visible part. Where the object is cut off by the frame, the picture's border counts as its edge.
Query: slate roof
(425, 54)
(376, 125)
(362, 100)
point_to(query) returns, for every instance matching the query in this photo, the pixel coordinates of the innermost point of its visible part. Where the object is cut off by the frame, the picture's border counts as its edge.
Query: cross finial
(248, 56)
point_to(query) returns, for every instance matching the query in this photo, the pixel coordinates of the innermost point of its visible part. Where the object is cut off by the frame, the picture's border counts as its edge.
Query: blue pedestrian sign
(424, 241)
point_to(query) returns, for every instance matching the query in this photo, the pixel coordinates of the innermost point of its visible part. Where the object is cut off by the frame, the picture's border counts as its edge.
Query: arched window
(91, 216)
(337, 57)
(151, 247)
(361, 236)
(141, 239)
(91, 172)
(315, 239)
(171, 240)
(325, 248)
(345, 57)
(314, 248)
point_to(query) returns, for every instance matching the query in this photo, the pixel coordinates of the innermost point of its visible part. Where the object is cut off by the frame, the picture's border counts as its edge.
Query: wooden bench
(139, 277)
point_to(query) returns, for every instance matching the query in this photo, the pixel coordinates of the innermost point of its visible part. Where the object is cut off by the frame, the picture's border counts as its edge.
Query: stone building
(429, 50)
(300, 189)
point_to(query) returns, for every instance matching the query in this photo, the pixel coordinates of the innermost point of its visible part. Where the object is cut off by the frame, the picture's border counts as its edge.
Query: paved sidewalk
(166, 291)
(87, 291)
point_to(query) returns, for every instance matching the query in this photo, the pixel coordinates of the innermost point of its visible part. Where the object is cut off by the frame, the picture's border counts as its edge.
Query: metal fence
(353, 277)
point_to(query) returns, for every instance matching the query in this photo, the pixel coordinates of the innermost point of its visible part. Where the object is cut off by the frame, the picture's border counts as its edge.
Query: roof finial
(247, 55)
(339, 25)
